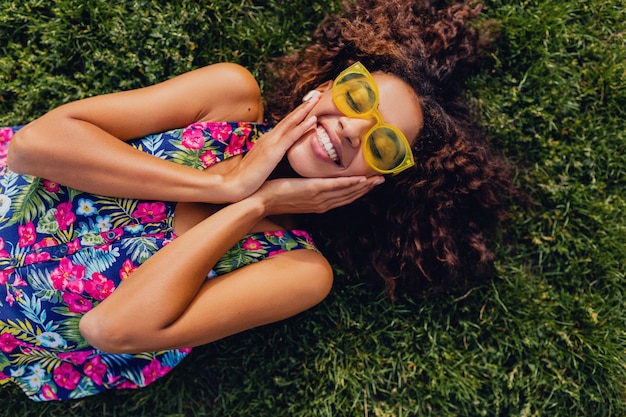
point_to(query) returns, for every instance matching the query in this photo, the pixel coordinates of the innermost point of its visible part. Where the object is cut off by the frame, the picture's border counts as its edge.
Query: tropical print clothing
(63, 251)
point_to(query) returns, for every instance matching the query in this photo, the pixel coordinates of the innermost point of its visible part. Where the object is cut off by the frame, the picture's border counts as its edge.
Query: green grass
(546, 338)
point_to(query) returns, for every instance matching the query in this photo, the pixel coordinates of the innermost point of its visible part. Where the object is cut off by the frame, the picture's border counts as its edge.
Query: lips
(327, 144)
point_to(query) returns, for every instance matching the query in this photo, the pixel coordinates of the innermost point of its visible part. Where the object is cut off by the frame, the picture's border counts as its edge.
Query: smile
(324, 140)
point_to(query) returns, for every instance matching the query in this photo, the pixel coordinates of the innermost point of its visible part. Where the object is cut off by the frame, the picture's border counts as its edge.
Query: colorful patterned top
(63, 251)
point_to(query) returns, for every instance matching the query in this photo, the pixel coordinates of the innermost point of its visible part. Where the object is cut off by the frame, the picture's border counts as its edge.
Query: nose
(353, 129)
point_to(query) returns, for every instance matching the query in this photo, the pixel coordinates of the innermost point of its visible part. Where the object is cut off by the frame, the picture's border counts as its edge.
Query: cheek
(294, 157)
(365, 170)
(301, 158)
(358, 166)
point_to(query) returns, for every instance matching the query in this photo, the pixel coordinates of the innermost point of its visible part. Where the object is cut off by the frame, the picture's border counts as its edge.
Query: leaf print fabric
(63, 251)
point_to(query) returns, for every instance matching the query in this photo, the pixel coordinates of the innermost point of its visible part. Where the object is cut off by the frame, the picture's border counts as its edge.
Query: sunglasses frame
(359, 69)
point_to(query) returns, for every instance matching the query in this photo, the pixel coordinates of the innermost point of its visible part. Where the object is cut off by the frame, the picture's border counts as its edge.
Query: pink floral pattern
(6, 133)
(63, 251)
(150, 212)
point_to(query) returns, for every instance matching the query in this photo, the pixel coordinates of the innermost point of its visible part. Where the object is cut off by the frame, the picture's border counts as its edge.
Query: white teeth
(326, 143)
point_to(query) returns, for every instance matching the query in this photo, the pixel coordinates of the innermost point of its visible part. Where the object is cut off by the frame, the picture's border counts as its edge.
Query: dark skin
(217, 207)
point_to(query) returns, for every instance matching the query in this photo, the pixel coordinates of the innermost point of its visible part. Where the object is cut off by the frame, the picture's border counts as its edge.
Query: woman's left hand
(312, 195)
(261, 160)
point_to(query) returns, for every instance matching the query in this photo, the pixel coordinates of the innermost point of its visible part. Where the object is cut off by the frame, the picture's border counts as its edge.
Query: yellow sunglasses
(385, 148)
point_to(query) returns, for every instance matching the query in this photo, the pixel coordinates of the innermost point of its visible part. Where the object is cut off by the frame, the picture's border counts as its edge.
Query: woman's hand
(312, 195)
(261, 160)
(81, 144)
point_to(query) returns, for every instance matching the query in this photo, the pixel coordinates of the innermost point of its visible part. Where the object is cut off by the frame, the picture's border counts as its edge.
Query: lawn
(546, 337)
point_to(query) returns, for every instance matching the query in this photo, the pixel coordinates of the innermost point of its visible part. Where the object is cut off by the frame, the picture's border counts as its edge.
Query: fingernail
(310, 95)
(379, 180)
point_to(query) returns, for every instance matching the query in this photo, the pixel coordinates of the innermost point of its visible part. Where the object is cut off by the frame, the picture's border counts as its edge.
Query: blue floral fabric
(63, 251)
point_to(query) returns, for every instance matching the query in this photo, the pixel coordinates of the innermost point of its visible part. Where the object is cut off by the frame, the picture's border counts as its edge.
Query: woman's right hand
(260, 161)
(312, 195)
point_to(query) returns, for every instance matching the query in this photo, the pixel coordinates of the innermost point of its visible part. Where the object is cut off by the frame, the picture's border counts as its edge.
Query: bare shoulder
(231, 93)
(218, 92)
(232, 76)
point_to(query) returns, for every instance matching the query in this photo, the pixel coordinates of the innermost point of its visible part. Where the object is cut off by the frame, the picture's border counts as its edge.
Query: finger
(299, 129)
(339, 197)
(335, 183)
(348, 195)
(357, 190)
(271, 147)
(298, 114)
(286, 132)
(338, 201)
(345, 184)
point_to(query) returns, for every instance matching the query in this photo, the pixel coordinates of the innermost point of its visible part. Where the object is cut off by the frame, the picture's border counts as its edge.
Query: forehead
(399, 104)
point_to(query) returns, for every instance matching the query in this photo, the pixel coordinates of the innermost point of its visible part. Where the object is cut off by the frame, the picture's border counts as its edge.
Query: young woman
(154, 245)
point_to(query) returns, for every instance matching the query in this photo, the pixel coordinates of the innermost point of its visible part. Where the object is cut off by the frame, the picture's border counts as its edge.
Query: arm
(177, 307)
(81, 144)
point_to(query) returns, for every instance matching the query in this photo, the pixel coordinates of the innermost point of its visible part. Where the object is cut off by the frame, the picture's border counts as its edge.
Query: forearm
(160, 290)
(169, 294)
(80, 144)
(82, 156)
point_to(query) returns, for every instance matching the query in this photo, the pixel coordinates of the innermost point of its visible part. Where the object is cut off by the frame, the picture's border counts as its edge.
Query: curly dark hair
(426, 228)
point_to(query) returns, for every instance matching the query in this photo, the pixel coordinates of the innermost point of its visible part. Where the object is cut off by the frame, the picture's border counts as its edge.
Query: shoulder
(230, 93)
(238, 76)
(218, 92)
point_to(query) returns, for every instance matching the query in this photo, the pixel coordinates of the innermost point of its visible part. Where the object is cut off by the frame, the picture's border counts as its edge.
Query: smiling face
(334, 147)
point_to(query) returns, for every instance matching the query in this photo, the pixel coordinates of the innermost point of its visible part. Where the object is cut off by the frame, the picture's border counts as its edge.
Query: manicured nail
(310, 95)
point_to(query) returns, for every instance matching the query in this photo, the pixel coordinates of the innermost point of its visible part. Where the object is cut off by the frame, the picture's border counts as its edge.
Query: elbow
(105, 334)
(35, 146)
(319, 287)
(16, 156)
(22, 154)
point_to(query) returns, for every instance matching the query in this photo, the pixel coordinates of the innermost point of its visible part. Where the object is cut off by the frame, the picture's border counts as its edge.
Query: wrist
(216, 188)
(254, 207)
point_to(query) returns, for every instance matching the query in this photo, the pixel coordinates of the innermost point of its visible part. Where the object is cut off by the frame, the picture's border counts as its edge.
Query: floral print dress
(63, 251)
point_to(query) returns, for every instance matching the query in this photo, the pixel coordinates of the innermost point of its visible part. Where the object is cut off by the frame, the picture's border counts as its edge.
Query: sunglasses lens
(354, 95)
(384, 149)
